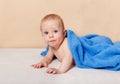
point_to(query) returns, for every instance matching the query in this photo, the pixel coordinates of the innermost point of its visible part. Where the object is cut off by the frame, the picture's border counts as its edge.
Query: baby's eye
(45, 32)
(55, 31)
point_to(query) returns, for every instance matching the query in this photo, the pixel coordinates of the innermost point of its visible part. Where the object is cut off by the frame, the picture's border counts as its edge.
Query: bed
(15, 68)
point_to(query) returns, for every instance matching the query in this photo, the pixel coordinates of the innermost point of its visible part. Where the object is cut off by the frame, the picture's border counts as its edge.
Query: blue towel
(93, 51)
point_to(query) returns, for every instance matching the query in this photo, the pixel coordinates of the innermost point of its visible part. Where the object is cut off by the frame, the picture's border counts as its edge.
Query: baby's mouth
(51, 41)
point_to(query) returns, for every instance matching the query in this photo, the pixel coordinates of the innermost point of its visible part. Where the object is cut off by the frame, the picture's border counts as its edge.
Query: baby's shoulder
(65, 42)
(64, 45)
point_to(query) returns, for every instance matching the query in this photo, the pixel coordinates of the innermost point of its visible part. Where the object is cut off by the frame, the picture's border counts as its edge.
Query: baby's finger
(54, 72)
(37, 66)
(34, 65)
(45, 64)
(49, 71)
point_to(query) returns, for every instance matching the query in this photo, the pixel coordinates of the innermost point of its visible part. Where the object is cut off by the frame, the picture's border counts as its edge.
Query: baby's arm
(45, 61)
(66, 64)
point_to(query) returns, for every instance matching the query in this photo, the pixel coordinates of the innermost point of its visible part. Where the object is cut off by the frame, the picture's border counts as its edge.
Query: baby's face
(52, 32)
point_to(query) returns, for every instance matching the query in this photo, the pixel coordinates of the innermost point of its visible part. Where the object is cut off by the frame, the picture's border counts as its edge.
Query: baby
(54, 34)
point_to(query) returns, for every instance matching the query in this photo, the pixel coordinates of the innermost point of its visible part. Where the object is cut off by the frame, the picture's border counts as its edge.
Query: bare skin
(54, 35)
(65, 58)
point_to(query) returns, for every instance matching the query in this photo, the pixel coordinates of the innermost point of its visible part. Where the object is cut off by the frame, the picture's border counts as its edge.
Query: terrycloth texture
(93, 51)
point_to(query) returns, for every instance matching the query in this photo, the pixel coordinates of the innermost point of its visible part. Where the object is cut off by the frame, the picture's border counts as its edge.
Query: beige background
(19, 19)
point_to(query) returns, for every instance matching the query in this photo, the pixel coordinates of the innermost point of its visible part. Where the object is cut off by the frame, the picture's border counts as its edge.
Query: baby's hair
(52, 17)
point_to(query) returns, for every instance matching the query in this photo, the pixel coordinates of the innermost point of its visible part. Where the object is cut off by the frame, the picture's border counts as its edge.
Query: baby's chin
(54, 46)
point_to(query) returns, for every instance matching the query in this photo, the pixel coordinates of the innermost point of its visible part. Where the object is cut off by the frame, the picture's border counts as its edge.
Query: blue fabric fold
(93, 51)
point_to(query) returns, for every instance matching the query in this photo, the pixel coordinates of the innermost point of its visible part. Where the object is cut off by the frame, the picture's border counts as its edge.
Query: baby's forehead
(51, 23)
(51, 20)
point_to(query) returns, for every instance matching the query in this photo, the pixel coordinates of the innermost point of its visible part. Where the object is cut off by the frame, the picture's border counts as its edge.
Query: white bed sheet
(15, 68)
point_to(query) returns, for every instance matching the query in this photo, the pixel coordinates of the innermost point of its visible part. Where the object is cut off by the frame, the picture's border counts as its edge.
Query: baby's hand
(52, 71)
(40, 65)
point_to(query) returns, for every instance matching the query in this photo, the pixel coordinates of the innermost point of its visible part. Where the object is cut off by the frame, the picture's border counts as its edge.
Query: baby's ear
(64, 33)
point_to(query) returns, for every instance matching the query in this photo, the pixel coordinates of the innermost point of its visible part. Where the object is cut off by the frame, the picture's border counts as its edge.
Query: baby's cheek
(59, 36)
(46, 40)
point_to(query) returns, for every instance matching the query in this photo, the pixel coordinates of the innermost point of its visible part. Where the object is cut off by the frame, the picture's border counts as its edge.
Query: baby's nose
(51, 35)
